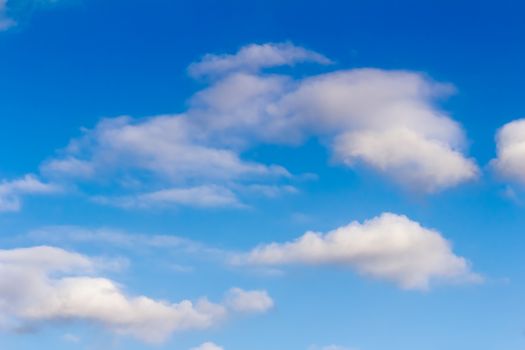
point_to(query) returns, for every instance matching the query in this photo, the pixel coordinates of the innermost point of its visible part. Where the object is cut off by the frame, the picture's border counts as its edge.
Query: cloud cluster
(388, 247)
(385, 120)
(510, 161)
(44, 284)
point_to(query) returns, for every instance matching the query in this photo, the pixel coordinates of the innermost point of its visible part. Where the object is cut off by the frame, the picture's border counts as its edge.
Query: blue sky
(207, 175)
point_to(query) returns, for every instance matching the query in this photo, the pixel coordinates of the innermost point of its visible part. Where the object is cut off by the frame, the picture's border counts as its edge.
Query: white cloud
(208, 346)
(375, 117)
(409, 158)
(11, 192)
(386, 120)
(70, 166)
(164, 150)
(167, 146)
(249, 301)
(46, 284)
(254, 57)
(389, 247)
(510, 161)
(107, 236)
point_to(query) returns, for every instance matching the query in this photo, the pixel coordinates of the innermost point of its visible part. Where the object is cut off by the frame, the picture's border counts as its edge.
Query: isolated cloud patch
(510, 142)
(12, 191)
(389, 247)
(249, 301)
(44, 284)
(254, 57)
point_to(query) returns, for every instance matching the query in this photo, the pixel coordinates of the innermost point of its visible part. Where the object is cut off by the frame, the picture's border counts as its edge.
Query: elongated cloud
(46, 284)
(11, 192)
(201, 197)
(388, 121)
(170, 150)
(389, 247)
(254, 57)
(510, 161)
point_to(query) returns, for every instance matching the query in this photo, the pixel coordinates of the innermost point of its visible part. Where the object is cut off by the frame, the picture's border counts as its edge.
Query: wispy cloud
(199, 197)
(12, 191)
(111, 237)
(254, 57)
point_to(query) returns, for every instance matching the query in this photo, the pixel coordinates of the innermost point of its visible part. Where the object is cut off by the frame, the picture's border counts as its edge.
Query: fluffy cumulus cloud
(510, 161)
(208, 346)
(386, 120)
(11, 192)
(408, 157)
(389, 247)
(45, 284)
